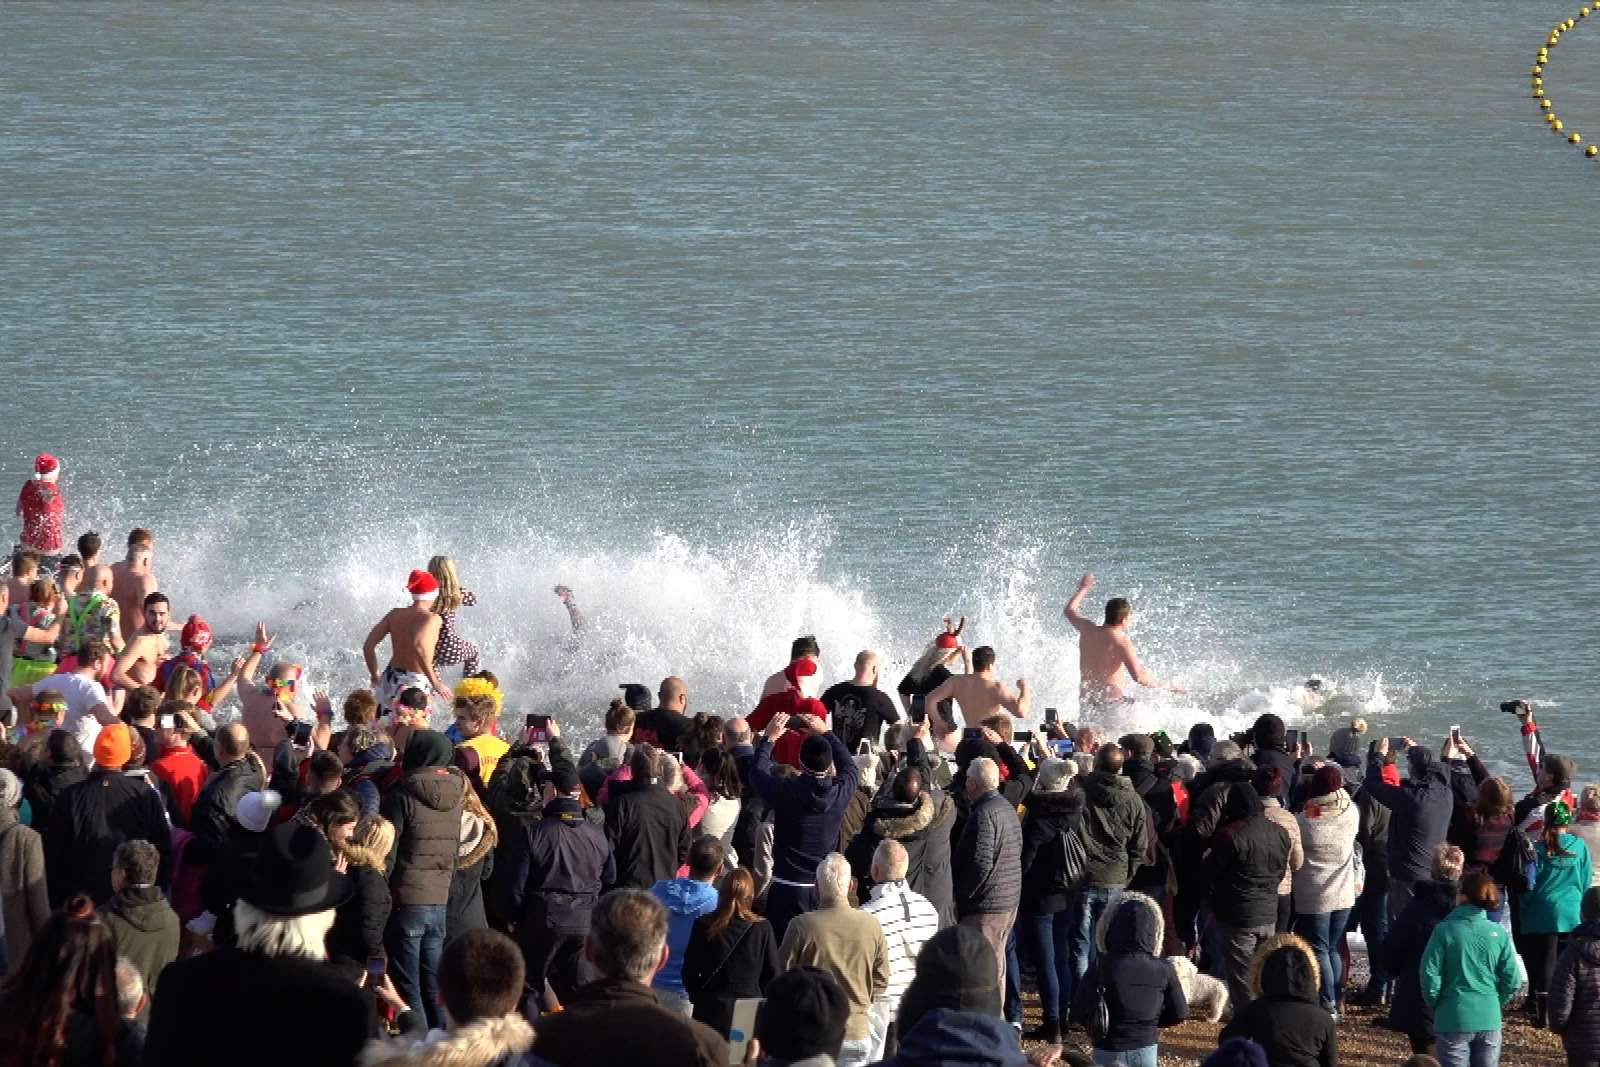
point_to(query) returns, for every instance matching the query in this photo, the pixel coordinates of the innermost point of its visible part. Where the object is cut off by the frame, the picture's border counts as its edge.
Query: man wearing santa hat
(413, 634)
(802, 648)
(43, 511)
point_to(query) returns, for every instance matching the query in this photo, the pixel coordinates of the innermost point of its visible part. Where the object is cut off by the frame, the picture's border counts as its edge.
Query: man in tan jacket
(849, 945)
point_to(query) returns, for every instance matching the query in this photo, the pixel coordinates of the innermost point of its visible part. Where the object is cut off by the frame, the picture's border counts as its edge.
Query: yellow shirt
(489, 749)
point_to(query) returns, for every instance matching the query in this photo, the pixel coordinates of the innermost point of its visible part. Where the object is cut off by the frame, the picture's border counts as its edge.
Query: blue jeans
(415, 940)
(1480, 1049)
(1085, 911)
(1133, 1057)
(1323, 933)
(1052, 953)
(1372, 914)
(1013, 999)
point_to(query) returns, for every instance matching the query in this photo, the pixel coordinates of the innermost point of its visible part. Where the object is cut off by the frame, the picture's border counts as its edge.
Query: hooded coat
(685, 900)
(145, 929)
(556, 870)
(1420, 811)
(1403, 948)
(1285, 1016)
(1142, 990)
(48, 779)
(923, 829)
(359, 923)
(946, 1038)
(950, 1014)
(988, 858)
(1575, 995)
(1115, 834)
(1045, 886)
(502, 1041)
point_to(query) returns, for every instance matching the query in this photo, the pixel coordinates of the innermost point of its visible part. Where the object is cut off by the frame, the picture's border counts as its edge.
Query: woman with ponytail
(1552, 908)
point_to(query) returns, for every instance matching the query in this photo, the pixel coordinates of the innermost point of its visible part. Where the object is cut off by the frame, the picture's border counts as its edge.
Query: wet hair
(443, 568)
(1590, 800)
(619, 717)
(804, 646)
(71, 562)
(1494, 799)
(1117, 611)
(89, 545)
(626, 934)
(155, 598)
(1480, 890)
(138, 861)
(705, 857)
(360, 708)
(982, 658)
(736, 899)
(70, 969)
(480, 976)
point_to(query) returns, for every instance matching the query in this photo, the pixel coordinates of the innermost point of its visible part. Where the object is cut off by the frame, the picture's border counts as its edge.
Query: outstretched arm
(1074, 611)
(1136, 671)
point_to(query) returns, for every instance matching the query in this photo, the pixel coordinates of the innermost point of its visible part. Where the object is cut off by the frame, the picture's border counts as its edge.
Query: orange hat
(113, 748)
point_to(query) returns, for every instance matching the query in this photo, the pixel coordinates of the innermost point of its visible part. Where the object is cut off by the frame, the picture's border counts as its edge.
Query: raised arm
(1019, 702)
(1074, 610)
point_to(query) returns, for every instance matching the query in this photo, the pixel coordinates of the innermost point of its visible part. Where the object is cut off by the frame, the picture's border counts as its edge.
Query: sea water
(753, 320)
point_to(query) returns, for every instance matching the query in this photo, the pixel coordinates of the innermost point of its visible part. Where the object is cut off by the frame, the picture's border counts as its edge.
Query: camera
(1511, 707)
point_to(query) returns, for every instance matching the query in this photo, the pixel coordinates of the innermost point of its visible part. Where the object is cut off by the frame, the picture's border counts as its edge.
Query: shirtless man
(146, 649)
(132, 580)
(413, 633)
(24, 572)
(96, 575)
(980, 695)
(801, 648)
(91, 613)
(1106, 659)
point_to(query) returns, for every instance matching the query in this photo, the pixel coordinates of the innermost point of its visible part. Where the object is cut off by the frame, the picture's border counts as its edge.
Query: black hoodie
(1286, 1017)
(1142, 990)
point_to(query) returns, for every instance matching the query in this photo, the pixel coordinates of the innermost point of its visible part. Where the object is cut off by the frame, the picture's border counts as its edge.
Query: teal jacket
(1468, 970)
(1551, 906)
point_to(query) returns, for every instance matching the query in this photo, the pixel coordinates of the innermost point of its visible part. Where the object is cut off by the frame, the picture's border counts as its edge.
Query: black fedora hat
(294, 874)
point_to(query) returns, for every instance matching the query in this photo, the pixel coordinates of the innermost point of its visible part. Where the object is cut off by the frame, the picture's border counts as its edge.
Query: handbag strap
(729, 955)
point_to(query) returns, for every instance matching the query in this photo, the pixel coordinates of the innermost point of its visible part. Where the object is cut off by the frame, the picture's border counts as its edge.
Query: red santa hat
(422, 586)
(804, 667)
(46, 468)
(196, 634)
(947, 640)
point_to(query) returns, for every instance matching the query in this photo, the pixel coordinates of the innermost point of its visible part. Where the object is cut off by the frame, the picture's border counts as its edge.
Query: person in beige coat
(847, 944)
(24, 904)
(1269, 785)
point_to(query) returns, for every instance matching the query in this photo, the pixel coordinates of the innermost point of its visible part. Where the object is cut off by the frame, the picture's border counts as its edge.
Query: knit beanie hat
(956, 969)
(1269, 731)
(804, 1015)
(255, 810)
(1326, 779)
(427, 748)
(10, 790)
(1054, 776)
(816, 755)
(113, 746)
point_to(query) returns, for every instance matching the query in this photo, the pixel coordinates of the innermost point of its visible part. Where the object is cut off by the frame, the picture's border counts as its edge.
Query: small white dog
(1207, 996)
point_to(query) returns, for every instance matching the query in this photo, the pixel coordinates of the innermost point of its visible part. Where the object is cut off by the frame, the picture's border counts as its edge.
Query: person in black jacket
(919, 816)
(807, 812)
(1270, 736)
(1244, 868)
(1420, 813)
(555, 871)
(45, 781)
(1055, 808)
(647, 825)
(359, 923)
(731, 954)
(988, 861)
(241, 773)
(95, 816)
(1430, 902)
(1142, 991)
(1286, 1018)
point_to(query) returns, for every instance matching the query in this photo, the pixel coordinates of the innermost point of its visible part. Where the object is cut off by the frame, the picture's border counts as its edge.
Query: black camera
(1511, 707)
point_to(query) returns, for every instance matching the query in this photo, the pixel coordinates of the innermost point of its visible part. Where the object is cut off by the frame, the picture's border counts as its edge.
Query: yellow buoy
(1537, 70)
(1538, 94)
(1592, 150)
(1545, 103)
(1550, 116)
(1583, 12)
(1556, 125)
(1574, 139)
(1537, 82)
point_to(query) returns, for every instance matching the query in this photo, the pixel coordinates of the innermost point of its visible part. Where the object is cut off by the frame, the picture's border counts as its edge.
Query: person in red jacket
(43, 509)
(799, 699)
(181, 772)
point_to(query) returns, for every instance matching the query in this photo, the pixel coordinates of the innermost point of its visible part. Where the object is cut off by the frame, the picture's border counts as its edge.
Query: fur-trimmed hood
(1286, 968)
(1131, 923)
(478, 833)
(898, 821)
(362, 856)
(482, 1043)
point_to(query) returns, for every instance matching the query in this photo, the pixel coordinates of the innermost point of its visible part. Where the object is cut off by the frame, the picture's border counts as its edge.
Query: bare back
(129, 587)
(979, 696)
(1103, 654)
(413, 636)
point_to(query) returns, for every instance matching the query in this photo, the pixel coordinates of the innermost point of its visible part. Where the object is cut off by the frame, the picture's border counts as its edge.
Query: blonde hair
(183, 681)
(373, 839)
(1448, 861)
(933, 657)
(477, 687)
(444, 569)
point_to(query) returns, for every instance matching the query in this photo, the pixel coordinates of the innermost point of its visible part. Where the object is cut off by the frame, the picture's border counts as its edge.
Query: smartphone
(1455, 733)
(1511, 707)
(1398, 744)
(864, 748)
(1062, 746)
(376, 965)
(972, 733)
(300, 732)
(919, 708)
(1292, 739)
(169, 722)
(1021, 737)
(534, 719)
(1051, 716)
(537, 730)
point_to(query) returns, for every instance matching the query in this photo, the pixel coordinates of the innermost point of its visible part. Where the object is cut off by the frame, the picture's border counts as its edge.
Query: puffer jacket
(1115, 835)
(1045, 887)
(1142, 991)
(1575, 995)
(500, 1041)
(988, 858)
(218, 801)
(425, 807)
(358, 925)
(1403, 948)
(1327, 881)
(1285, 1017)
(923, 829)
(474, 866)
(1420, 817)
(1246, 864)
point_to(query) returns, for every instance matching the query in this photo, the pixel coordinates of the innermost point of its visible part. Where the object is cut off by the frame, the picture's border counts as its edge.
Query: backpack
(1074, 858)
(1518, 866)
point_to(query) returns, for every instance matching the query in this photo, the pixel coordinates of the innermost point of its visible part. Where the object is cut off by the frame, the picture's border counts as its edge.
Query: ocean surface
(751, 320)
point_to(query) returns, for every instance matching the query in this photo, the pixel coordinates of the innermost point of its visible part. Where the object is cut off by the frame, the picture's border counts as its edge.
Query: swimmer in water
(1106, 657)
(132, 581)
(979, 694)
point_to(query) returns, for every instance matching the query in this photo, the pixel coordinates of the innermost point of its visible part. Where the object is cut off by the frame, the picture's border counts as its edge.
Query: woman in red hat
(931, 671)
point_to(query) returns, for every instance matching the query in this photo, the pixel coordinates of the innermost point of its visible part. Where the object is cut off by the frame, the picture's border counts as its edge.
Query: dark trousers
(784, 902)
(1539, 952)
(551, 956)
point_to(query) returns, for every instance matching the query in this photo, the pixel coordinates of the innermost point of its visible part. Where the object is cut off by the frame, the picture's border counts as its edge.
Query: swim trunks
(395, 681)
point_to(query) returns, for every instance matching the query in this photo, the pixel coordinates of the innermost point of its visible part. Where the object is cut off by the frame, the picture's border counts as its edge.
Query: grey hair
(274, 935)
(736, 731)
(672, 775)
(130, 988)
(1223, 751)
(890, 861)
(985, 772)
(833, 879)
(626, 935)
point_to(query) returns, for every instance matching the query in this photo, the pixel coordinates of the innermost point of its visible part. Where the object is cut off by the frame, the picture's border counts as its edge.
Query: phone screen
(972, 733)
(169, 722)
(1021, 737)
(301, 731)
(1051, 716)
(1292, 738)
(375, 967)
(1455, 732)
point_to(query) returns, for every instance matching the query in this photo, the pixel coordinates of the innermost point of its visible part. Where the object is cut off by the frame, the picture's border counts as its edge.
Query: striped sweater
(908, 920)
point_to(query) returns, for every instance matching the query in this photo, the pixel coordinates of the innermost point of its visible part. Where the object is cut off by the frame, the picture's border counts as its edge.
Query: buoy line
(1541, 61)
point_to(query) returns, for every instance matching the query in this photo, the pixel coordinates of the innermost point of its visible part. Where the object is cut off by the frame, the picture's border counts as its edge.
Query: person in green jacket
(1551, 909)
(1468, 971)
